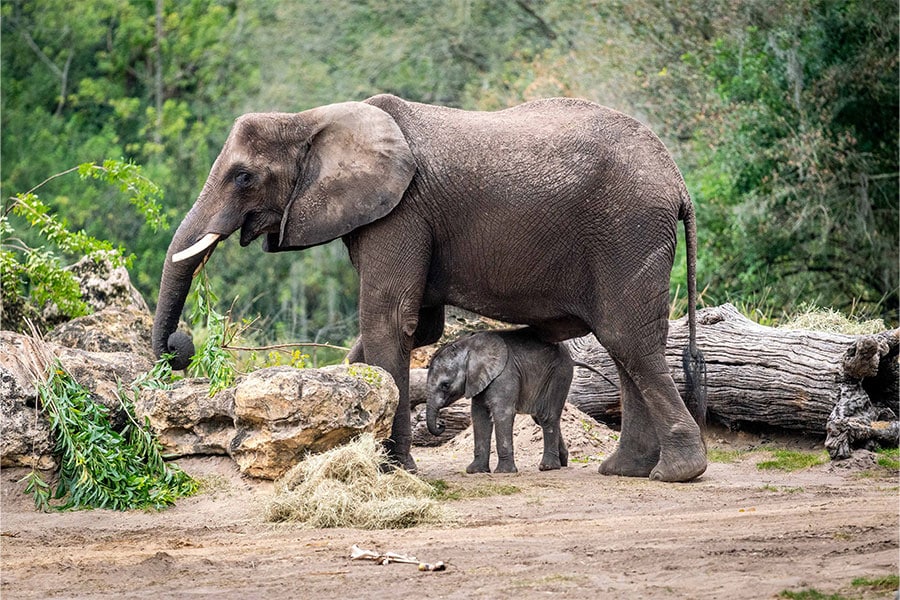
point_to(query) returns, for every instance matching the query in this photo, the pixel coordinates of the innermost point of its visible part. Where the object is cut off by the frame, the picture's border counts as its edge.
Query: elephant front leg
(504, 419)
(482, 428)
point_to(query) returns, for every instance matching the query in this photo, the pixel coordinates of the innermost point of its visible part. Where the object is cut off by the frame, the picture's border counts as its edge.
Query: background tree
(783, 118)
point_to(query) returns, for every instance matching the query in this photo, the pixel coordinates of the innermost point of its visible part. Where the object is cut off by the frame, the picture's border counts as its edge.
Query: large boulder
(282, 413)
(112, 329)
(104, 285)
(186, 419)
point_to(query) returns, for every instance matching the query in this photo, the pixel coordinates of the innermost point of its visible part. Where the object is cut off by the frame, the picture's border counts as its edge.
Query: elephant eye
(243, 179)
(444, 386)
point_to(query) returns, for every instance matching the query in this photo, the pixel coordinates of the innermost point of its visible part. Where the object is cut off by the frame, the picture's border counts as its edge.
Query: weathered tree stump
(768, 377)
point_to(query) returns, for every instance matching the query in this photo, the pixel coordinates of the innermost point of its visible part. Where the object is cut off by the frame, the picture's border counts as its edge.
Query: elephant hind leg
(638, 449)
(659, 438)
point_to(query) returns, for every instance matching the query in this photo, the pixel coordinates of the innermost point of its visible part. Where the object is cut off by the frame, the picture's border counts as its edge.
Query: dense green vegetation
(782, 116)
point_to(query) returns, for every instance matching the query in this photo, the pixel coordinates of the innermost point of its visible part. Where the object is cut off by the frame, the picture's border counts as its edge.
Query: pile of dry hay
(345, 487)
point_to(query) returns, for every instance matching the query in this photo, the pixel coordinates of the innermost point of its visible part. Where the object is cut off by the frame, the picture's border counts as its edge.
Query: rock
(187, 420)
(25, 439)
(281, 413)
(112, 329)
(103, 285)
(24, 435)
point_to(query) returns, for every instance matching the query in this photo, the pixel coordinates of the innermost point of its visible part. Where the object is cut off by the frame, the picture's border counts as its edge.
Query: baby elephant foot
(551, 463)
(478, 467)
(506, 466)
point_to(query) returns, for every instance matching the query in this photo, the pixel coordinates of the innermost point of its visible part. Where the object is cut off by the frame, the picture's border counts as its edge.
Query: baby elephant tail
(590, 368)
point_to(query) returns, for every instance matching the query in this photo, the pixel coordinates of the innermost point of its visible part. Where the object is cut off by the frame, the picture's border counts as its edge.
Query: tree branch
(283, 346)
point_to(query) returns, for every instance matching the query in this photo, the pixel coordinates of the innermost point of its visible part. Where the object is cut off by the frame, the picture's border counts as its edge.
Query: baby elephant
(504, 373)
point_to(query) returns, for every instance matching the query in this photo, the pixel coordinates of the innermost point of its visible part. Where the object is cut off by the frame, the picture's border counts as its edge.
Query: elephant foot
(506, 467)
(683, 458)
(399, 460)
(551, 462)
(478, 467)
(625, 464)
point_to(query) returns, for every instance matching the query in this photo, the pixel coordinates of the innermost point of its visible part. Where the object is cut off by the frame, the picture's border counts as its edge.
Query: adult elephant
(559, 214)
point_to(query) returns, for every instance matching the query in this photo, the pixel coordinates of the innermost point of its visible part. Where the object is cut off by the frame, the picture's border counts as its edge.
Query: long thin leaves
(101, 467)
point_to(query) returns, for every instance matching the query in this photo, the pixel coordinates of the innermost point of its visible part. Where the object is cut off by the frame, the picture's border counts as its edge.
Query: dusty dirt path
(737, 532)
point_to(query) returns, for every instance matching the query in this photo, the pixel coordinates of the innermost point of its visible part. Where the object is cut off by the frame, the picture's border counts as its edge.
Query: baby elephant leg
(555, 453)
(482, 428)
(504, 419)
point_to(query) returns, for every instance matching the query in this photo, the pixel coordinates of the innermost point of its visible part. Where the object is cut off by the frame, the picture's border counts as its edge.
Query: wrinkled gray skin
(559, 214)
(505, 373)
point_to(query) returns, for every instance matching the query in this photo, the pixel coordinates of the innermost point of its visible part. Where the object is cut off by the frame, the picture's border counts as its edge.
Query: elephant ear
(355, 171)
(488, 356)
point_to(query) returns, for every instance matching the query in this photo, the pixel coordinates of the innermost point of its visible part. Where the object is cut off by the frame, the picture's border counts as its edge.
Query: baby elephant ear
(357, 168)
(488, 356)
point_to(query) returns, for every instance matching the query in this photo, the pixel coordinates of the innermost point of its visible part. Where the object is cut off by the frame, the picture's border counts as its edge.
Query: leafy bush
(34, 277)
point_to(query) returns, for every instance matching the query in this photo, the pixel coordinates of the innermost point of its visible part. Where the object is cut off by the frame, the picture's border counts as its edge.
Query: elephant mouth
(257, 223)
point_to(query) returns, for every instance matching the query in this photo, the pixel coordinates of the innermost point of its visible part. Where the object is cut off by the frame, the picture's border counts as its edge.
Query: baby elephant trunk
(436, 425)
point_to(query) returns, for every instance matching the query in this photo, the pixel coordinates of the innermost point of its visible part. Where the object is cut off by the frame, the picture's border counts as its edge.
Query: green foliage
(211, 359)
(887, 583)
(810, 594)
(790, 146)
(454, 491)
(101, 467)
(889, 458)
(782, 117)
(366, 373)
(34, 277)
(790, 460)
(295, 358)
(724, 456)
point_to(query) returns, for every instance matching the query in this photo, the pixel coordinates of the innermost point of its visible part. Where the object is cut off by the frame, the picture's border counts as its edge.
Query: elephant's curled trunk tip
(694, 365)
(181, 347)
(436, 425)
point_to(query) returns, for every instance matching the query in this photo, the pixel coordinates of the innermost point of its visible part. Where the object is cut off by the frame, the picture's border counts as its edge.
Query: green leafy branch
(101, 467)
(36, 276)
(211, 359)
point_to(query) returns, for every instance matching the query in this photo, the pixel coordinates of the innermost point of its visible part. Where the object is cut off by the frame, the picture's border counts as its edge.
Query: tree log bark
(764, 376)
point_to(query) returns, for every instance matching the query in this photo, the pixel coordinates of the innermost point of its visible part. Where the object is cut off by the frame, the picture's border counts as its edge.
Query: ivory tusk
(205, 242)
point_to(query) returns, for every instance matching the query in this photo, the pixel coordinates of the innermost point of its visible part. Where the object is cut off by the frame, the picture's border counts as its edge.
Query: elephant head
(301, 179)
(462, 369)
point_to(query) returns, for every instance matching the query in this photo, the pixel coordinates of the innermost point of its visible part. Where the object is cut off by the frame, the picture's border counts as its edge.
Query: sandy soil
(737, 532)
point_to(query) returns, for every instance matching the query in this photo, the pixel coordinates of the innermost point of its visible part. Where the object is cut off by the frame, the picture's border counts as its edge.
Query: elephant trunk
(173, 290)
(436, 426)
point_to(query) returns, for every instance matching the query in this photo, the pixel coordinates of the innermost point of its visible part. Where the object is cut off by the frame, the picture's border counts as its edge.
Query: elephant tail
(692, 359)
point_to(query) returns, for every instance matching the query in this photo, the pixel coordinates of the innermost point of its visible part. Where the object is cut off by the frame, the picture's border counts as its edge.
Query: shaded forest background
(782, 116)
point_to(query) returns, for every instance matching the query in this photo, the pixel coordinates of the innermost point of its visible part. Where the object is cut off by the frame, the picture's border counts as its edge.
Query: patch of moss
(889, 458)
(792, 460)
(724, 456)
(447, 491)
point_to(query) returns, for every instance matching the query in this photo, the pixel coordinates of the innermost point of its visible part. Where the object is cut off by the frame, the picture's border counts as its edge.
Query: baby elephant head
(462, 369)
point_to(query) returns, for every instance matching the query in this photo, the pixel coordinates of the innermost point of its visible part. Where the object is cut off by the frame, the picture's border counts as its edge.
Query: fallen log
(810, 382)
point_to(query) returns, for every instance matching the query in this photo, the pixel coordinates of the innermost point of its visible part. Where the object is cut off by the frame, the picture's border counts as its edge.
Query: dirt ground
(736, 532)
